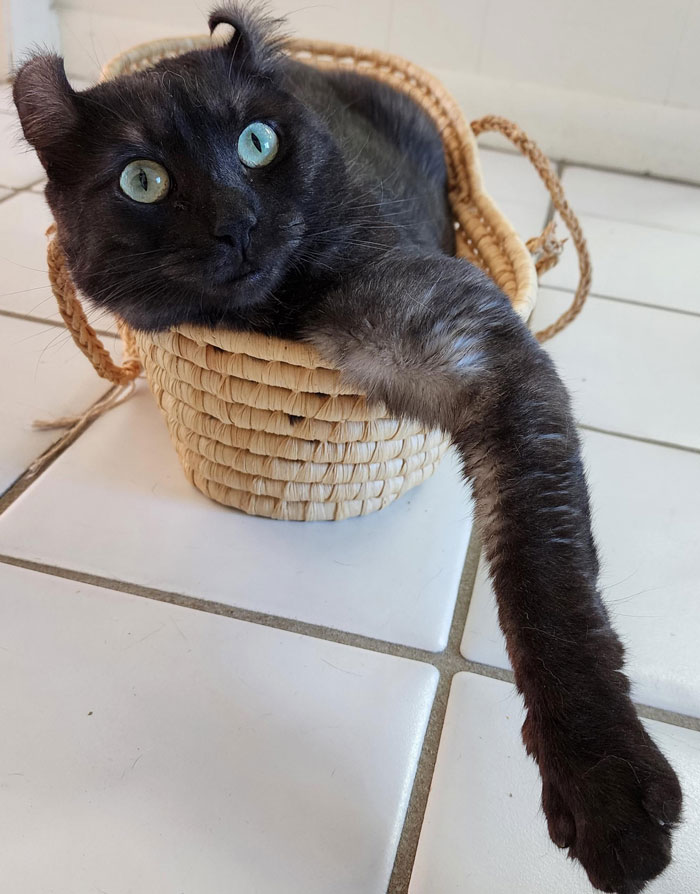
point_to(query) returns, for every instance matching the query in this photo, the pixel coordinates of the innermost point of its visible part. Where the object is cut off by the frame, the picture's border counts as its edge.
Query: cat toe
(560, 821)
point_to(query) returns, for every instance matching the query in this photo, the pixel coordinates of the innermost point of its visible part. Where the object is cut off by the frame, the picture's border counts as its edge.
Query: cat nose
(236, 232)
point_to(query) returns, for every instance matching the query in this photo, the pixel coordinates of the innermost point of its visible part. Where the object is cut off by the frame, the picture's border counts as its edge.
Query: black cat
(234, 187)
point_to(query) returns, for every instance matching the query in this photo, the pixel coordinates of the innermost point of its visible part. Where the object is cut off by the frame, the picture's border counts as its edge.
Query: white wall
(5, 57)
(613, 82)
(30, 24)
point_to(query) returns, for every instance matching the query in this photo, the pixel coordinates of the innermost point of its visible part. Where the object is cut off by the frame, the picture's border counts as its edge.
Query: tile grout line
(450, 660)
(16, 190)
(448, 663)
(30, 318)
(639, 175)
(46, 459)
(618, 300)
(196, 603)
(641, 224)
(559, 168)
(638, 438)
(665, 715)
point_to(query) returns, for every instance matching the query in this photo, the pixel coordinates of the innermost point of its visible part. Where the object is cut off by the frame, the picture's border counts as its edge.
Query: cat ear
(256, 45)
(45, 102)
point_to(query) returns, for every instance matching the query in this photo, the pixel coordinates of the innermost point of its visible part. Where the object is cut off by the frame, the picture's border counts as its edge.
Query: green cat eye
(257, 145)
(144, 181)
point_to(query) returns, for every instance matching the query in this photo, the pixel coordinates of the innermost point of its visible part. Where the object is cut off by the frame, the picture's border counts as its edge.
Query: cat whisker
(22, 291)
(23, 266)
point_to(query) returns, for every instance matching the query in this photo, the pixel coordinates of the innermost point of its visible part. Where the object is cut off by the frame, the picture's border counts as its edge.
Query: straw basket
(265, 425)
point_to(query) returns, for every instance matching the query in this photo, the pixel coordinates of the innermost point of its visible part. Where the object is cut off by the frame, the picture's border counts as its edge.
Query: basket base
(289, 510)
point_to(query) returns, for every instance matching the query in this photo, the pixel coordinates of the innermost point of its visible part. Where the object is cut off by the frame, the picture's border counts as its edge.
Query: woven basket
(265, 425)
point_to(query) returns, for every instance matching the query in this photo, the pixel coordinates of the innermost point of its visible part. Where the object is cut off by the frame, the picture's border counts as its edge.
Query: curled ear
(256, 45)
(45, 103)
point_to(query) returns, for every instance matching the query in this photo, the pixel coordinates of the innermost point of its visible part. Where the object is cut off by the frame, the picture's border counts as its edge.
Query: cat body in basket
(234, 187)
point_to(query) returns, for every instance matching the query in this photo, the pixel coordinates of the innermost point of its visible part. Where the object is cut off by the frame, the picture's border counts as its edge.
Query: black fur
(350, 244)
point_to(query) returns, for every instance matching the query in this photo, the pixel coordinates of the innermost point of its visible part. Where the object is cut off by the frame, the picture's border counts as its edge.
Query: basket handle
(546, 246)
(83, 334)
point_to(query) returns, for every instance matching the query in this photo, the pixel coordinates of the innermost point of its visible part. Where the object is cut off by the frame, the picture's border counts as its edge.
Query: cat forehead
(199, 87)
(193, 87)
(183, 116)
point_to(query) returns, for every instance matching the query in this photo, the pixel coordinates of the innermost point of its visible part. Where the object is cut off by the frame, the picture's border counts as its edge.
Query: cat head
(184, 193)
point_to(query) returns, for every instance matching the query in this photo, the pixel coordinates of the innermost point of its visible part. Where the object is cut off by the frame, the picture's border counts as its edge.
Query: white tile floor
(220, 755)
(56, 380)
(648, 527)
(392, 575)
(483, 831)
(20, 166)
(263, 734)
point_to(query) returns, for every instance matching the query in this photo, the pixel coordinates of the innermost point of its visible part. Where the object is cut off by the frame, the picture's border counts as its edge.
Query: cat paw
(615, 816)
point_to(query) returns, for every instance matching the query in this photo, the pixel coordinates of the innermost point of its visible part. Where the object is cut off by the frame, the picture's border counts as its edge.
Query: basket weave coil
(266, 425)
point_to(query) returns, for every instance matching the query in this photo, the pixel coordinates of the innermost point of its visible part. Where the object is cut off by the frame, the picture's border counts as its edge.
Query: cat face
(183, 193)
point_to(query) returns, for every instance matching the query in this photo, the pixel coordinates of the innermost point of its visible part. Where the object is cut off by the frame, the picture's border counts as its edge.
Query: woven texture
(265, 425)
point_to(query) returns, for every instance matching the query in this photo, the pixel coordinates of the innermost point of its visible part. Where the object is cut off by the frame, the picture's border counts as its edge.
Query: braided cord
(83, 334)
(545, 243)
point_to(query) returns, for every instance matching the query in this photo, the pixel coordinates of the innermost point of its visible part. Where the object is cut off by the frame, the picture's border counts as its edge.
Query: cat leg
(435, 340)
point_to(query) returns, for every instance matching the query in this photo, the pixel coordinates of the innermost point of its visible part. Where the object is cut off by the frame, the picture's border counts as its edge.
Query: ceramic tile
(509, 176)
(39, 187)
(222, 756)
(647, 528)
(631, 369)
(645, 264)
(49, 379)
(527, 220)
(484, 831)
(549, 306)
(24, 284)
(19, 165)
(632, 260)
(5, 193)
(517, 190)
(391, 575)
(637, 200)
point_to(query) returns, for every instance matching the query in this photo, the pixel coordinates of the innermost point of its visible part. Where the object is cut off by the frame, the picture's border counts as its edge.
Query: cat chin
(240, 299)
(239, 288)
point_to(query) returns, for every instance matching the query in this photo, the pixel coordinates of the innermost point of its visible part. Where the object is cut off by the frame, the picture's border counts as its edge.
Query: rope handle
(546, 247)
(83, 334)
